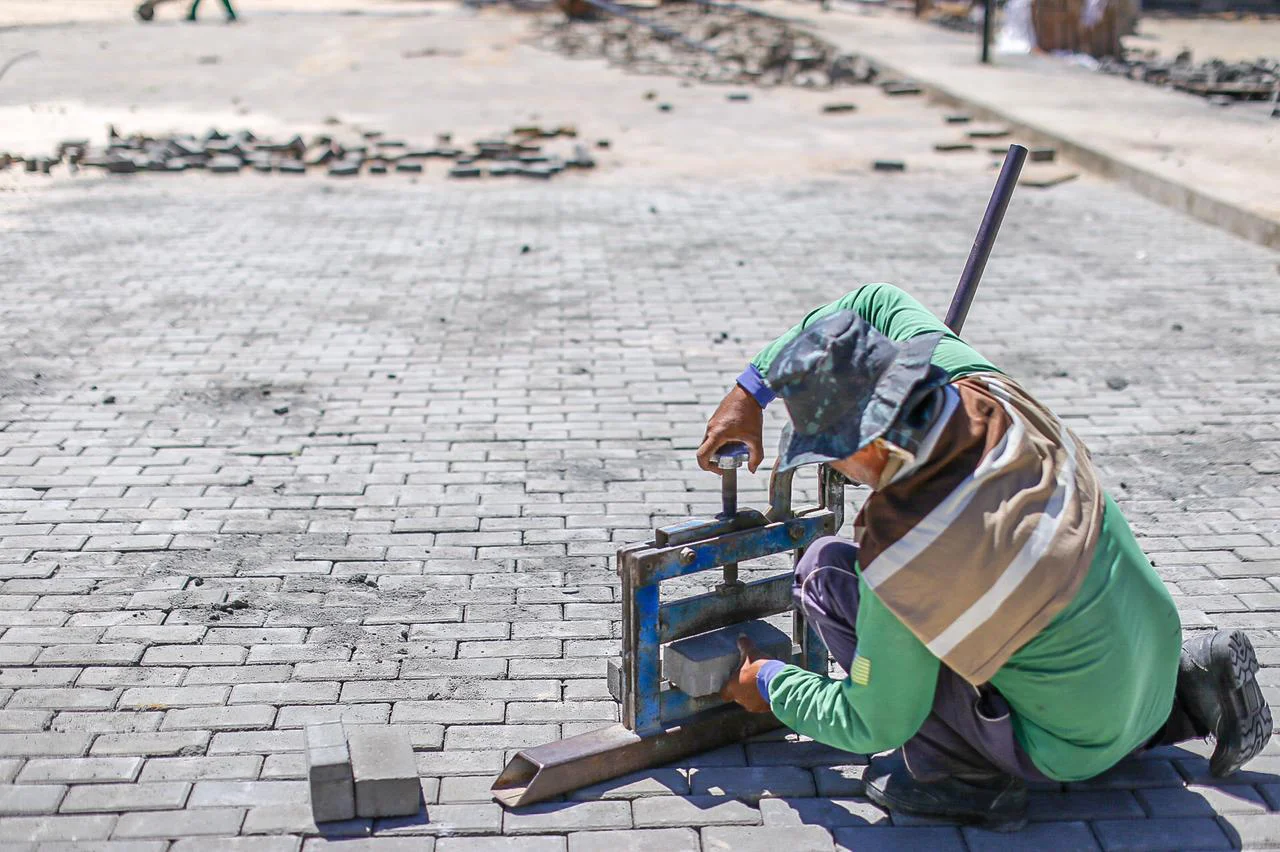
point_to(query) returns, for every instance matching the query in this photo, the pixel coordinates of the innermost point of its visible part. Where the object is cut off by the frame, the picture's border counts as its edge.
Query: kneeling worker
(996, 617)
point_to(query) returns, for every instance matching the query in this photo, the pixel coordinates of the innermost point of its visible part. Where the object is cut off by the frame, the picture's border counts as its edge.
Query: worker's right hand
(738, 418)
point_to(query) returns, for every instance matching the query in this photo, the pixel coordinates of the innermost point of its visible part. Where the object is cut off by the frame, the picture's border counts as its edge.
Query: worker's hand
(741, 687)
(738, 418)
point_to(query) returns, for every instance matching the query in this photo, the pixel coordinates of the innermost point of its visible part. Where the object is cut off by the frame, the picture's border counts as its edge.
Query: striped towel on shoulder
(989, 533)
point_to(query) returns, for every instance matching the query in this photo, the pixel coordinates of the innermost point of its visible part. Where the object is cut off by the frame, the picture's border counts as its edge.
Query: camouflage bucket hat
(845, 384)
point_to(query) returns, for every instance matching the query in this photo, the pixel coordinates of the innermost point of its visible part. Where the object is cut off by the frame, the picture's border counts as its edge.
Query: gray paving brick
(384, 770)
(752, 783)
(833, 813)
(942, 839)
(1058, 836)
(839, 781)
(372, 844)
(151, 743)
(1149, 835)
(244, 766)
(567, 816)
(722, 838)
(1086, 805)
(179, 824)
(445, 820)
(97, 770)
(238, 718)
(237, 844)
(1252, 830)
(30, 799)
(98, 798)
(1196, 801)
(40, 744)
(500, 844)
(218, 793)
(651, 782)
(669, 811)
(298, 818)
(642, 840)
(46, 828)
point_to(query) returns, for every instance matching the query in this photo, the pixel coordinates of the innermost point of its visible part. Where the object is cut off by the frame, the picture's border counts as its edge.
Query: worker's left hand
(741, 687)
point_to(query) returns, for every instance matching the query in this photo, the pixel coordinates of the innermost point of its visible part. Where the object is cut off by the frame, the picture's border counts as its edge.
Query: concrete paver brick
(98, 798)
(639, 840)
(1058, 836)
(219, 793)
(833, 813)
(567, 816)
(1152, 835)
(384, 770)
(727, 838)
(752, 783)
(178, 824)
(329, 777)
(939, 839)
(651, 782)
(50, 828)
(237, 844)
(667, 811)
(80, 770)
(30, 799)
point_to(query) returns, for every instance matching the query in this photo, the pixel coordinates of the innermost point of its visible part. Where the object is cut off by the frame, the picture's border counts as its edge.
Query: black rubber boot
(1218, 685)
(998, 803)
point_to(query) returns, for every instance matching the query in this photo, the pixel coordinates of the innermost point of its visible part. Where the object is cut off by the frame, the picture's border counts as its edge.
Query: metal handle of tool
(986, 238)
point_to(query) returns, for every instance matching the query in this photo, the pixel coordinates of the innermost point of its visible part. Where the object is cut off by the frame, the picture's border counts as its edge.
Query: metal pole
(988, 12)
(986, 237)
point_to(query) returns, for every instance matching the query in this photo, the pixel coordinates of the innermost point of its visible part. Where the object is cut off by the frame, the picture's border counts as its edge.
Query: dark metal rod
(986, 237)
(988, 12)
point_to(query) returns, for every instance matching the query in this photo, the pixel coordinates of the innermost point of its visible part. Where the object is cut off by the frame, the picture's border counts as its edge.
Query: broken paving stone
(839, 107)
(953, 146)
(1044, 180)
(900, 87)
(329, 773)
(889, 166)
(700, 665)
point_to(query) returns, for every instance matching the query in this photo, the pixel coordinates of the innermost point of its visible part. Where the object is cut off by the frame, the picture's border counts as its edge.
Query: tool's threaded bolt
(796, 531)
(687, 556)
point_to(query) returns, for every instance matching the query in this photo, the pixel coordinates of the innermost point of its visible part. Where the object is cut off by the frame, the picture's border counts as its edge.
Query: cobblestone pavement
(279, 452)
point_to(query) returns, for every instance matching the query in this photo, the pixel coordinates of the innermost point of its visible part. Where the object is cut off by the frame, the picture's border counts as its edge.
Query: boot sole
(1248, 707)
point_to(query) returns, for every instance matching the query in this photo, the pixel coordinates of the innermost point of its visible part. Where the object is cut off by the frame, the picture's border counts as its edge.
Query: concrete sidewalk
(1221, 165)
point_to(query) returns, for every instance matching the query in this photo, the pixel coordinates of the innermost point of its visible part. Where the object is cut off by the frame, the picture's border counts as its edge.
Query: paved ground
(410, 447)
(1219, 164)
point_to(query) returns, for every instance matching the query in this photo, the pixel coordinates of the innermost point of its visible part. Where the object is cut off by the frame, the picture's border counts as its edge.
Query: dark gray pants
(969, 732)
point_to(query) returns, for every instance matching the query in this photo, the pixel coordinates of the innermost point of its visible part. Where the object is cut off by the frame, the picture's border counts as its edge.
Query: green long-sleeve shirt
(1090, 688)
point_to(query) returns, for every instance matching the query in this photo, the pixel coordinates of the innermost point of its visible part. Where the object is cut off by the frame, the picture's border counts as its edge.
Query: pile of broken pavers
(520, 153)
(361, 771)
(1220, 81)
(720, 43)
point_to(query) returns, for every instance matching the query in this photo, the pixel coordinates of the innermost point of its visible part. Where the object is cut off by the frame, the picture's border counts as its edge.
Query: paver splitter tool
(660, 723)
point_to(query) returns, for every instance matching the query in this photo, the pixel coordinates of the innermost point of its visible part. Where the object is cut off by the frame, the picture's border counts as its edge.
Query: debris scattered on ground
(1224, 82)
(714, 44)
(988, 133)
(521, 153)
(1047, 178)
(889, 166)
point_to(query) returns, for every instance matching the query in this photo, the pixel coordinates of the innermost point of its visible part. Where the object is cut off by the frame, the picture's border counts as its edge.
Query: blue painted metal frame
(648, 703)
